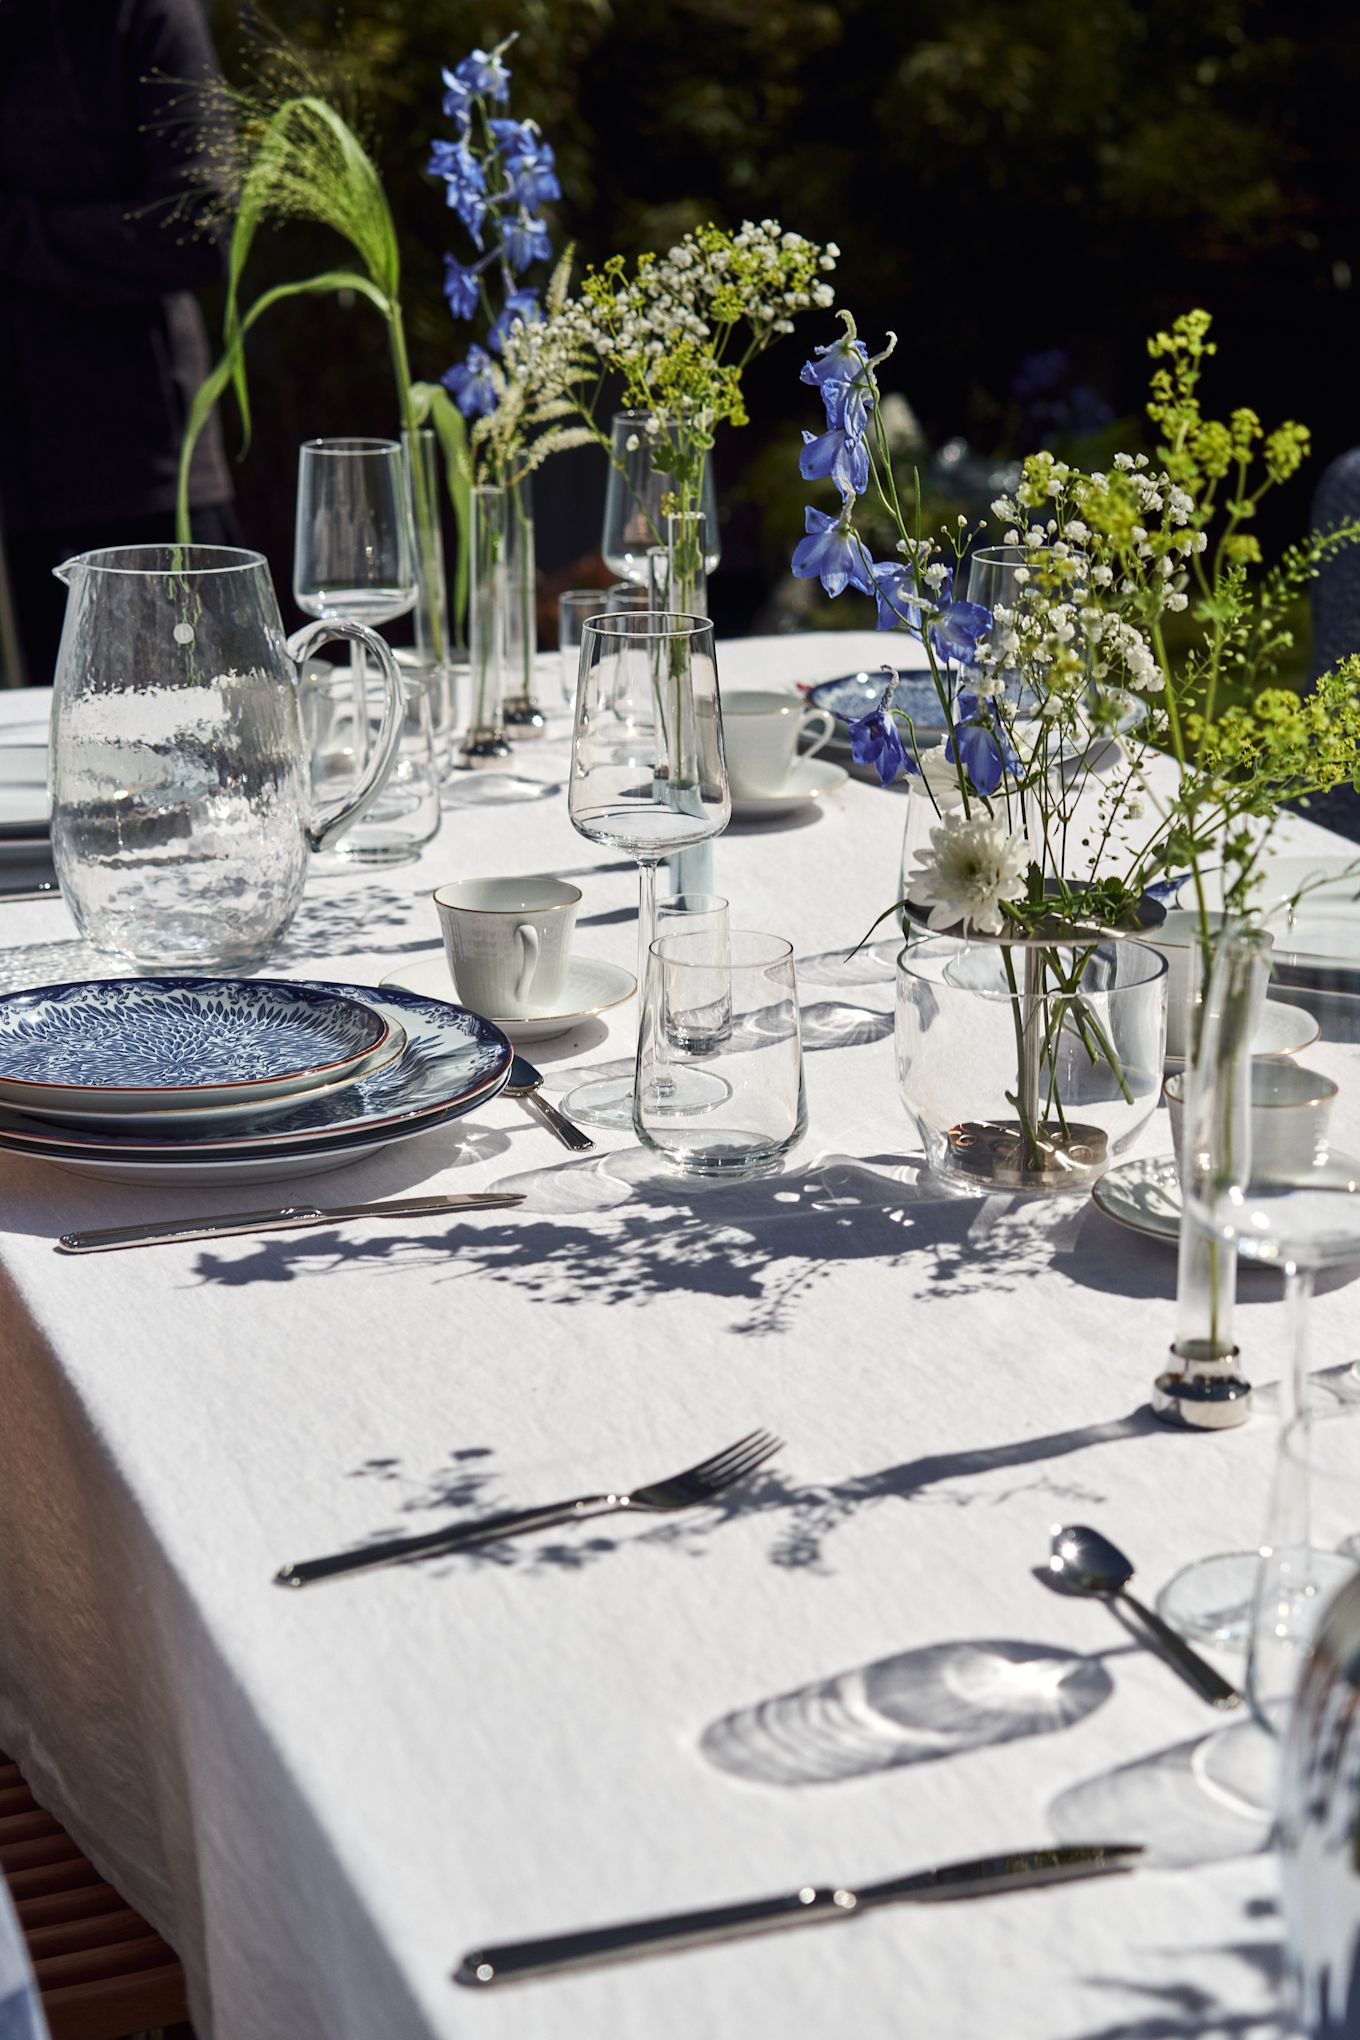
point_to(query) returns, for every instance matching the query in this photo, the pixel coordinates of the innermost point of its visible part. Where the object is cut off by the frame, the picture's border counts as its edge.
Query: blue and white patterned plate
(453, 1060)
(147, 1042)
(854, 694)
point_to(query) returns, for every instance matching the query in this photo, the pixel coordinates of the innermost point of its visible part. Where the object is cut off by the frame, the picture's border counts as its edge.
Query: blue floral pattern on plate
(854, 694)
(453, 1060)
(181, 1034)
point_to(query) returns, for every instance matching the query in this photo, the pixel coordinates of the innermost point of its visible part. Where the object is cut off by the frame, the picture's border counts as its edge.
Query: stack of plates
(229, 1079)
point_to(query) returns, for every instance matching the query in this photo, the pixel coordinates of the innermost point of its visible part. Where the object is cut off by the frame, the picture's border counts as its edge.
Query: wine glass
(1285, 1196)
(354, 552)
(647, 773)
(639, 497)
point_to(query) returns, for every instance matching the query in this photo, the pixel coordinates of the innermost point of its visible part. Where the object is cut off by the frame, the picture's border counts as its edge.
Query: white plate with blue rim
(453, 1060)
(113, 1044)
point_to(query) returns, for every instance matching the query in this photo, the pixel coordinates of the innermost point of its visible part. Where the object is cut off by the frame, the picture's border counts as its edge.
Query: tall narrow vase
(524, 715)
(434, 647)
(678, 581)
(486, 742)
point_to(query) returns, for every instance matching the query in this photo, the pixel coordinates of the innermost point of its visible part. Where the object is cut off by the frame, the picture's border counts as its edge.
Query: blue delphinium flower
(876, 740)
(464, 186)
(895, 593)
(980, 743)
(524, 241)
(484, 74)
(837, 457)
(842, 361)
(956, 627)
(520, 305)
(831, 553)
(457, 101)
(462, 288)
(530, 165)
(470, 385)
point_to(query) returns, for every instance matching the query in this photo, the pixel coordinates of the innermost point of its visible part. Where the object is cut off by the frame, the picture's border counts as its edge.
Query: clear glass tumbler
(340, 735)
(727, 1103)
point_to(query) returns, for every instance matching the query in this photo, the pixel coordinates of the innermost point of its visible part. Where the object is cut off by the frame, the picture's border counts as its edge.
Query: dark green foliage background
(1004, 176)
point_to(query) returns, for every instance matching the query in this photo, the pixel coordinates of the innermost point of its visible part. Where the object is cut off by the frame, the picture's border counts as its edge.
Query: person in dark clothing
(104, 236)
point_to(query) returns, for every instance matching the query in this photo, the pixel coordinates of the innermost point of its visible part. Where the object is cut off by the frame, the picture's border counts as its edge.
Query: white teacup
(760, 735)
(508, 942)
(1290, 1110)
(1178, 940)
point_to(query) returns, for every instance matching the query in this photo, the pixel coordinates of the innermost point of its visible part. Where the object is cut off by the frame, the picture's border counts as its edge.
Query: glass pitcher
(182, 815)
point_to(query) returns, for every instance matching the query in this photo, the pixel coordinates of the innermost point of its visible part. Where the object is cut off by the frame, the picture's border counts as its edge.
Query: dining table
(848, 1667)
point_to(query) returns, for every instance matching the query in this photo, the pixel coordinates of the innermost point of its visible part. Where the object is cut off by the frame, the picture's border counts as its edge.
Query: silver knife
(984, 1878)
(46, 890)
(105, 1238)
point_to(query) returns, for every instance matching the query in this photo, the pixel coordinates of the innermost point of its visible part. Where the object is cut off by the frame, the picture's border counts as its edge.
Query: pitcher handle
(328, 820)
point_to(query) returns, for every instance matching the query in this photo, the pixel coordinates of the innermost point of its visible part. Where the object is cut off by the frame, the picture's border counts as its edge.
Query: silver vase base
(484, 746)
(1001, 1155)
(524, 717)
(1202, 1390)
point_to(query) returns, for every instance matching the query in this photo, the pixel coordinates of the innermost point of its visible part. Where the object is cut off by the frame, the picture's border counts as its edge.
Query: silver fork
(686, 1490)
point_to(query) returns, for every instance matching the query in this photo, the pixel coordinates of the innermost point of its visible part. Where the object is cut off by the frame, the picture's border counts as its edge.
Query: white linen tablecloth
(848, 1671)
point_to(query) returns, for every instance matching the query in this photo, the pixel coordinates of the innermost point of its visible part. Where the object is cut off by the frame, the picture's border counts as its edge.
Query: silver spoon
(524, 1083)
(1084, 1562)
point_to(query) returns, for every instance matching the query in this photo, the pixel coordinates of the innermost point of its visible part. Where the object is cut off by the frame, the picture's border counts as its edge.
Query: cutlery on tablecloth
(105, 1238)
(1084, 1562)
(525, 1082)
(688, 1490)
(984, 1878)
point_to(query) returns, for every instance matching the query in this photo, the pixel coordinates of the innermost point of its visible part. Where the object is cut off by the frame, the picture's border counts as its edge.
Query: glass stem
(1298, 1296)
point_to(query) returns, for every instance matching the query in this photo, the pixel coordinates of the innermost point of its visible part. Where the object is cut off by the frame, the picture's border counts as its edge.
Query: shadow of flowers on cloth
(913, 1708)
(620, 1228)
(1190, 2008)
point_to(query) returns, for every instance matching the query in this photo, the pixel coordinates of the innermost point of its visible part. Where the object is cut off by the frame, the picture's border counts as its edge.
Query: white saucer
(591, 988)
(1284, 1030)
(809, 779)
(1143, 1195)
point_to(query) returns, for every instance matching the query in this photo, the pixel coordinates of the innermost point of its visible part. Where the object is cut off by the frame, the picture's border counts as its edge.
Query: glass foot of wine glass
(605, 1098)
(1240, 1766)
(1211, 1601)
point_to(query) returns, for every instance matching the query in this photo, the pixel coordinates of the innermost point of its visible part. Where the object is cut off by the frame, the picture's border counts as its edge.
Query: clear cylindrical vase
(678, 580)
(433, 650)
(486, 742)
(524, 715)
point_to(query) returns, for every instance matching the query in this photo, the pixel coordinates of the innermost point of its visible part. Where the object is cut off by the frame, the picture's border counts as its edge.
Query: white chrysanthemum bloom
(974, 863)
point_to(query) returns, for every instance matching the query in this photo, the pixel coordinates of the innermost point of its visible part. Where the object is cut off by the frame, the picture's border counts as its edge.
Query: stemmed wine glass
(648, 773)
(354, 553)
(1282, 1187)
(638, 495)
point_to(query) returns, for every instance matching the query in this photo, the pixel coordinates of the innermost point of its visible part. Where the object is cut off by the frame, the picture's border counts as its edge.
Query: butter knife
(105, 1238)
(983, 1878)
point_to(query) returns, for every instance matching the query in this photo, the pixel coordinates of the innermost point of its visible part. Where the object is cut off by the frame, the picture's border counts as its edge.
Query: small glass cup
(339, 735)
(701, 919)
(575, 607)
(733, 1107)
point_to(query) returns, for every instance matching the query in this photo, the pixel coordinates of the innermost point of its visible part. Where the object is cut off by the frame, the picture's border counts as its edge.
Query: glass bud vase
(524, 716)
(1201, 1388)
(434, 646)
(678, 580)
(486, 742)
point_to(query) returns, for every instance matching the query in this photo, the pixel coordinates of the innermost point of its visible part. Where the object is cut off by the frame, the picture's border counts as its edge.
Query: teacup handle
(327, 821)
(527, 937)
(828, 722)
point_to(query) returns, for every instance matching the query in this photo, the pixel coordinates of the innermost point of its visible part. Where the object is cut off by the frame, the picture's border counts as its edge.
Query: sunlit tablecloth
(850, 1670)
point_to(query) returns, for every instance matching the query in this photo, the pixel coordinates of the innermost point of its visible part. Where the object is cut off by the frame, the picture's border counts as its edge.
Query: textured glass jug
(182, 814)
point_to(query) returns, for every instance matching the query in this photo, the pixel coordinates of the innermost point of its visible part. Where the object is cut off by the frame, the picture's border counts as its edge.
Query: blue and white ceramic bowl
(116, 1043)
(453, 1060)
(854, 694)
